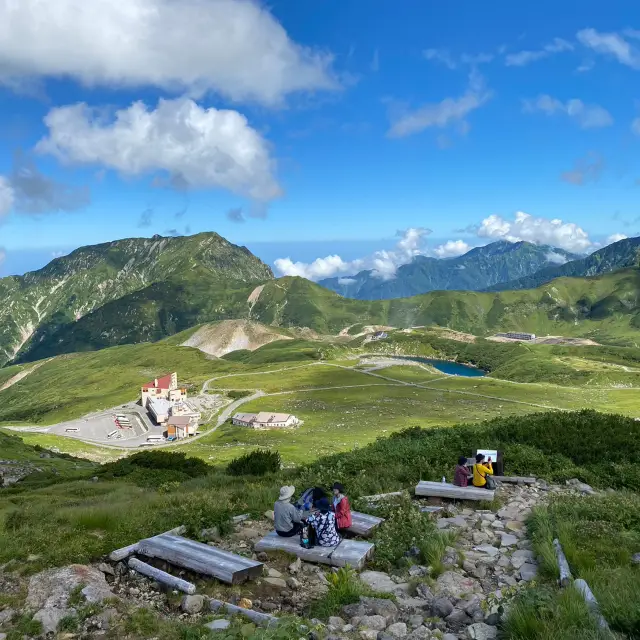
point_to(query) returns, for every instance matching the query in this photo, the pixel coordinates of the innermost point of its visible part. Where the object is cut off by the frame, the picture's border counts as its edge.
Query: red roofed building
(164, 388)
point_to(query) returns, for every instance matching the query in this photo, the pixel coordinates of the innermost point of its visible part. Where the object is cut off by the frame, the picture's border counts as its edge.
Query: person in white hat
(287, 518)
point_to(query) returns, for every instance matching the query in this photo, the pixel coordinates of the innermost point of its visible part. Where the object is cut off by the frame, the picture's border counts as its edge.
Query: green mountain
(619, 255)
(39, 306)
(606, 308)
(477, 269)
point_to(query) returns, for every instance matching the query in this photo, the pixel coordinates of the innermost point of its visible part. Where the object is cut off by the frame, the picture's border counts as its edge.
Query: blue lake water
(450, 368)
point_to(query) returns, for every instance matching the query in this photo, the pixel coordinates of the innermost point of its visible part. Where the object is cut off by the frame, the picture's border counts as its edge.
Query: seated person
(481, 470)
(461, 473)
(324, 523)
(341, 508)
(287, 518)
(308, 499)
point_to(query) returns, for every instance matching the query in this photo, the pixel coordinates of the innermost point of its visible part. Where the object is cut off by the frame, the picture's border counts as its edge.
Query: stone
(274, 573)
(192, 604)
(480, 572)
(457, 619)
(528, 571)
(397, 630)
(469, 566)
(580, 486)
(356, 610)
(480, 537)
(635, 558)
(380, 607)
(106, 569)
(378, 623)
(455, 585)
(52, 588)
(517, 561)
(513, 525)
(415, 621)
(269, 515)
(527, 554)
(508, 540)
(442, 607)
(218, 625)
(210, 535)
(421, 633)
(423, 591)
(449, 636)
(6, 615)
(293, 584)
(417, 571)
(378, 581)
(368, 634)
(3, 636)
(50, 618)
(276, 582)
(296, 566)
(335, 623)
(488, 549)
(481, 631)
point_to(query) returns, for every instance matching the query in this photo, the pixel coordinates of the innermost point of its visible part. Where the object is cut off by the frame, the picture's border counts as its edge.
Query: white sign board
(489, 453)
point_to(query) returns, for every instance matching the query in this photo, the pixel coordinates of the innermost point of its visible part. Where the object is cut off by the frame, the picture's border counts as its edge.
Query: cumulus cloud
(7, 197)
(555, 258)
(346, 281)
(449, 111)
(522, 58)
(615, 237)
(234, 47)
(565, 235)
(383, 264)
(236, 215)
(195, 147)
(612, 45)
(451, 249)
(587, 116)
(586, 169)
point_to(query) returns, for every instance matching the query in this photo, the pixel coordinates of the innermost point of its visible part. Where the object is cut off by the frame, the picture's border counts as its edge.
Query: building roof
(160, 383)
(266, 417)
(245, 417)
(159, 406)
(179, 421)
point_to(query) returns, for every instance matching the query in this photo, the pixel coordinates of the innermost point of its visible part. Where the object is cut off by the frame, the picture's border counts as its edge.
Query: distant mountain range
(619, 255)
(146, 289)
(476, 270)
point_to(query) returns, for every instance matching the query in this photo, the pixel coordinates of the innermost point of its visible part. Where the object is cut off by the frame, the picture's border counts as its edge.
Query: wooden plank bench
(515, 479)
(201, 558)
(446, 490)
(362, 524)
(349, 552)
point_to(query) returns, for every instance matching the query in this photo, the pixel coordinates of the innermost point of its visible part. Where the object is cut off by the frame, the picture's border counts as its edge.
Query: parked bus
(155, 439)
(113, 433)
(72, 429)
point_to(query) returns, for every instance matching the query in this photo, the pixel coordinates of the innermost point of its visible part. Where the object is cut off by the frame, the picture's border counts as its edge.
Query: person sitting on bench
(324, 523)
(461, 473)
(341, 508)
(480, 472)
(287, 519)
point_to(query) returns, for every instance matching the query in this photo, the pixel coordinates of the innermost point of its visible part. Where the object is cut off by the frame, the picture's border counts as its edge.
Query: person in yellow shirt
(481, 470)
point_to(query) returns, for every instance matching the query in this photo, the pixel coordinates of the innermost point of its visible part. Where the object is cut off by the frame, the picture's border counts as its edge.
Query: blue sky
(316, 130)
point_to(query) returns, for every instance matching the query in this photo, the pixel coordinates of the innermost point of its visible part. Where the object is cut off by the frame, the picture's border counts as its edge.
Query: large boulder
(454, 585)
(382, 582)
(380, 607)
(481, 631)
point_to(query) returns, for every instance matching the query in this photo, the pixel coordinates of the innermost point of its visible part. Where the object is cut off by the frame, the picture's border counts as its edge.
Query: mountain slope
(39, 304)
(619, 255)
(606, 308)
(477, 269)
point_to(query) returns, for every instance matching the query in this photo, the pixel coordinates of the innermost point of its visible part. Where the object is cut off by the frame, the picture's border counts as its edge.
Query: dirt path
(22, 375)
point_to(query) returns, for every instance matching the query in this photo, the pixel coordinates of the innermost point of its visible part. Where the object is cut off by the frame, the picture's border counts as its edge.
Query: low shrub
(152, 468)
(256, 463)
(236, 394)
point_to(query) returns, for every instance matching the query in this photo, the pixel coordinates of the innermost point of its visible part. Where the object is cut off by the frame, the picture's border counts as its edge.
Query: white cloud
(522, 58)
(612, 45)
(451, 248)
(383, 264)
(587, 116)
(7, 197)
(347, 281)
(3, 255)
(440, 55)
(442, 114)
(196, 147)
(555, 258)
(565, 235)
(615, 237)
(234, 47)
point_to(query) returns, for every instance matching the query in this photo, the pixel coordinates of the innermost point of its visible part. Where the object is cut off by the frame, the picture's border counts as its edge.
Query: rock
(442, 607)
(276, 582)
(335, 623)
(356, 610)
(375, 622)
(192, 604)
(293, 584)
(455, 585)
(106, 568)
(480, 537)
(51, 589)
(415, 621)
(635, 558)
(469, 566)
(210, 535)
(481, 631)
(457, 619)
(580, 486)
(508, 540)
(480, 572)
(517, 561)
(378, 581)
(380, 607)
(397, 630)
(421, 633)
(449, 636)
(513, 525)
(527, 554)
(6, 615)
(218, 625)
(262, 556)
(274, 573)
(247, 534)
(528, 571)
(296, 566)
(368, 634)
(417, 570)
(50, 617)
(488, 549)
(423, 591)
(269, 515)
(3, 636)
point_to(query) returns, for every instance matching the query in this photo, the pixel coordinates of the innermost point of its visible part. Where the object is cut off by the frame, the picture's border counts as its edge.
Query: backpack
(307, 536)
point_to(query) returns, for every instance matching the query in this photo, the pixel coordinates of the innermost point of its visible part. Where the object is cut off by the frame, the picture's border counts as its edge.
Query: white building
(159, 409)
(265, 420)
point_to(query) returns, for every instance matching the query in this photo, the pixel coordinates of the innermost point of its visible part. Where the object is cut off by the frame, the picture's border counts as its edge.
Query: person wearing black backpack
(323, 522)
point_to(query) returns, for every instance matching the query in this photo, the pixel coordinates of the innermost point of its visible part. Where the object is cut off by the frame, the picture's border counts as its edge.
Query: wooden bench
(362, 524)
(446, 490)
(349, 552)
(515, 479)
(201, 558)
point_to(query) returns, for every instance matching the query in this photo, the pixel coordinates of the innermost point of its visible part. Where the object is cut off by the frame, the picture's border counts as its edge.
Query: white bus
(122, 417)
(72, 429)
(113, 433)
(155, 439)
